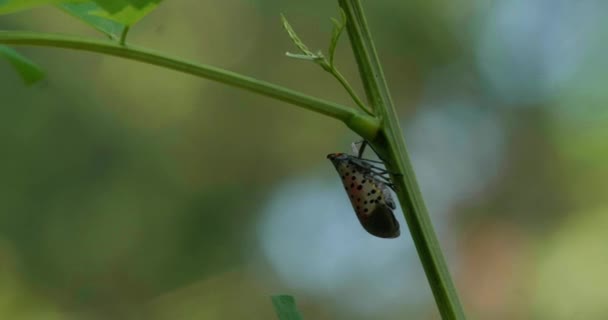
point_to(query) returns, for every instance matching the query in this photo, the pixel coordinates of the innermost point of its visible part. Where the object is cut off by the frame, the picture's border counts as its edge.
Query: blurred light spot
(313, 240)
(570, 280)
(457, 150)
(528, 50)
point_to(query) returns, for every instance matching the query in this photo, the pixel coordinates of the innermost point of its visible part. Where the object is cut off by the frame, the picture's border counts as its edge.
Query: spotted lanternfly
(369, 194)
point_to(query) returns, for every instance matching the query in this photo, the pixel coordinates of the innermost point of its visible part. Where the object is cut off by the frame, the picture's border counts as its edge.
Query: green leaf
(115, 6)
(11, 6)
(28, 70)
(285, 307)
(335, 34)
(87, 13)
(294, 37)
(112, 17)
(126, 12)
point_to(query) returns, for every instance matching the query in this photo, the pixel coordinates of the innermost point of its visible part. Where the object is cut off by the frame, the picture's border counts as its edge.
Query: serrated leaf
(95, 12)
(11, 6)
(294, 37)
(126, 12)
(28, 70)
(285, 307)
(112, 17)
(335, 35)
(87, 13)
(114, 6)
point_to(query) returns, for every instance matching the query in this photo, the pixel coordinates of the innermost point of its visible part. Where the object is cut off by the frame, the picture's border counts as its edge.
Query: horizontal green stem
(358, 121)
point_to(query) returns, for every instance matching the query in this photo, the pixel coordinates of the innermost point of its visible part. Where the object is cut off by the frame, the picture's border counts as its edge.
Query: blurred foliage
(135, 192)
(29, 71)
(90, 13)
(285, 307)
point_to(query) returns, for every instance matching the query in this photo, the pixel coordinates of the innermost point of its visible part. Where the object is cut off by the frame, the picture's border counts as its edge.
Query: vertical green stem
(123, 36)
(391, 147)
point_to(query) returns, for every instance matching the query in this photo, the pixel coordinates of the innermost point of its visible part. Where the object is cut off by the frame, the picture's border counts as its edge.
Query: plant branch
(361, 123)
(349, 89)
(123, 36)
(391, 147)
(321, 60)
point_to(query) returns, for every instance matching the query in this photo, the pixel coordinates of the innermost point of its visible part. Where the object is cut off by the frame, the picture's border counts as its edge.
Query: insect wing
(388, 198)
(381, 222)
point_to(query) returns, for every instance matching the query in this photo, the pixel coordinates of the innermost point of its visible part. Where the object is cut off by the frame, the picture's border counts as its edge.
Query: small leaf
(112, 17)
(87, 13)
(335, 35)
(285, 307)
(126, 12)
(294, 37)
(115, 6)
(28, 70)
(11, 6)
(109, 16)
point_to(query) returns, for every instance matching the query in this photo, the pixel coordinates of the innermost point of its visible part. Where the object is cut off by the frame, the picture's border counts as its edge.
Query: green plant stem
(349, 89)
(361, 123)
(391, 146)
(123, 36)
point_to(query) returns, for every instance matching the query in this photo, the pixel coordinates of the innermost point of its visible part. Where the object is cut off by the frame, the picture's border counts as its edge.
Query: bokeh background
(132, 192)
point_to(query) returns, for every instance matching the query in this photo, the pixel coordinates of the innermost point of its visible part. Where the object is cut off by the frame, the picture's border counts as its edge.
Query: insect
(367, 186)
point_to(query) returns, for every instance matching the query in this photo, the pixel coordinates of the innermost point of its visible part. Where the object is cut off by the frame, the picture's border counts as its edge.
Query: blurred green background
(129, 191)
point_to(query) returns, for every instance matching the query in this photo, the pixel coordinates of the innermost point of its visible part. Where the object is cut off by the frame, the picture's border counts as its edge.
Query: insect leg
(384, 171)
(363, 162)
(370, 160)
(384, 180)
(359, 149)
(364, 144)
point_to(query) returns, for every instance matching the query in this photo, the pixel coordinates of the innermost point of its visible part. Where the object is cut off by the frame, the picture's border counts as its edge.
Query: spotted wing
(369, 197)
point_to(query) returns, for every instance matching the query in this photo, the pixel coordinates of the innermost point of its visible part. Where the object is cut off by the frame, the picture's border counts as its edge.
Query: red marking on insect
(369, 195)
